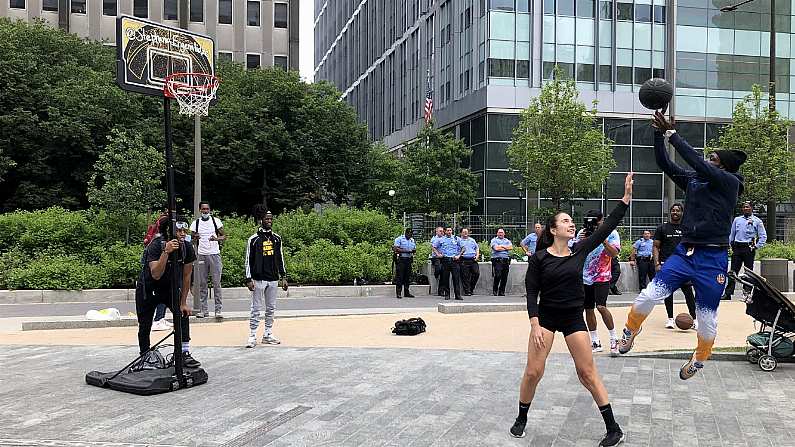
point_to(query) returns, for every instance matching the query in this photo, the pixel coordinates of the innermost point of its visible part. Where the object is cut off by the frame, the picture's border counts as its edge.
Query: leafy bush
(60, 272)
(340, 226)
(233, 253)
(119, 263)
(776, 249)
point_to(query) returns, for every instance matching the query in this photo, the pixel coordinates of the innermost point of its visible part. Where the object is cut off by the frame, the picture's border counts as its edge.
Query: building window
(225, 56)
(280, 15)
(225, 11)
(109, 8)
(501, 68)
(49, 5)
(16, 4)
(197, 11)
(141, 8)
(252, 13)
(79, 6)
(252, 61)
(280, 61)
(502, 5)
(170, 9)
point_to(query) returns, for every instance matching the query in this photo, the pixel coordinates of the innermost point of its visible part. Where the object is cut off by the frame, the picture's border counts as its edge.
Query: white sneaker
(160, 325)
(695, 325)
(596, 346)
(670, 324)
(613, 347)
(269, 339)
(252, 341)
(168, 323)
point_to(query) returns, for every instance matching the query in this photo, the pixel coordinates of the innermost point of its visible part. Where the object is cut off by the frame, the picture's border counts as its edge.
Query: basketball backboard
(147, 52)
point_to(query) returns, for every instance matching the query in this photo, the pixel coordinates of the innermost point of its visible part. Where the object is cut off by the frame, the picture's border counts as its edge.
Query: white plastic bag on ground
(104, 314)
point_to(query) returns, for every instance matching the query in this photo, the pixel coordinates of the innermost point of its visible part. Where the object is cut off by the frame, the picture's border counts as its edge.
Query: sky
(306, 43)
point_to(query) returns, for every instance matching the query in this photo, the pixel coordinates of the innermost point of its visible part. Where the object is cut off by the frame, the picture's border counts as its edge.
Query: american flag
(429, 101)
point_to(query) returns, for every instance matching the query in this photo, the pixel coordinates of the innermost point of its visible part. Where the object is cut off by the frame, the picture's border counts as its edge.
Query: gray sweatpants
(264, 291)
(209, 264)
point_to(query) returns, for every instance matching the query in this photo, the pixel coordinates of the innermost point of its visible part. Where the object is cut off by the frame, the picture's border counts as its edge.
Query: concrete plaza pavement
(286, 396)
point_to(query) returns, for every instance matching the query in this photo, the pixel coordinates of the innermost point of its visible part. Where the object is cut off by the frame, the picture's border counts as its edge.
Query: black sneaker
(189, 362)
(517, 430)
(398, 296)
(501, 294)
(613, 437)
(408, 295)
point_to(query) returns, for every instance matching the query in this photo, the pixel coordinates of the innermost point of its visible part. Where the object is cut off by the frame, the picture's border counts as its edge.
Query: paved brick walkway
(397, 397)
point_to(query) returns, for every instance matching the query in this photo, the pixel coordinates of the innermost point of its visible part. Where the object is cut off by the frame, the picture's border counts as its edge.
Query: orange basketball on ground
(684, 321)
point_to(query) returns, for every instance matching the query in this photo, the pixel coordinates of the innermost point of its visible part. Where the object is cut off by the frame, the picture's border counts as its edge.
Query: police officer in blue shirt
(642, 258)
(404, 249)
(500, 261)
(470, 270)
(528, 244)
(436, 261)
(448, 249)
(746, 235)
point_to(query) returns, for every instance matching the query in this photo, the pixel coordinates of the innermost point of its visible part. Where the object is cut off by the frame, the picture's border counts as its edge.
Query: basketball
(684, 321)
(655, 94)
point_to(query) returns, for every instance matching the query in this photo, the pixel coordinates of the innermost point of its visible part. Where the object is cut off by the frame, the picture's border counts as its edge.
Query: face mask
(205, 215)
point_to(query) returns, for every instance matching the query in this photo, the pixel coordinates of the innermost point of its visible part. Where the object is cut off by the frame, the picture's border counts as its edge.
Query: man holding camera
(747, 234)
(596, 274)
(154, 285)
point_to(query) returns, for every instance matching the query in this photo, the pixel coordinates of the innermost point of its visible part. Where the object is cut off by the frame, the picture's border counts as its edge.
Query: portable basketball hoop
(193, 91)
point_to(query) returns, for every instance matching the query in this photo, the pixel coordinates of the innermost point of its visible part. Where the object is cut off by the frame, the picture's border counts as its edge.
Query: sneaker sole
(520, 436)
(617, 443)
(631, 343)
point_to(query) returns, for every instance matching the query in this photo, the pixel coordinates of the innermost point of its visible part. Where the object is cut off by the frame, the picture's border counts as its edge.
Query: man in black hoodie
(264, 271)
(712, 188)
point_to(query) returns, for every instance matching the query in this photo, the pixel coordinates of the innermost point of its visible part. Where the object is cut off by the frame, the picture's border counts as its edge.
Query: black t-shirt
(556, 281)
(669, 234)
(186, 255)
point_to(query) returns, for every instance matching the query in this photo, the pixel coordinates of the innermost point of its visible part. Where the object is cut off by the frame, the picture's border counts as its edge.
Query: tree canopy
(270, 138)
(558, 147)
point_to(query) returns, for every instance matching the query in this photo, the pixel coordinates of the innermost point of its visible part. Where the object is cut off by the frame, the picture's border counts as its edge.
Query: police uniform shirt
(434, 239)
(499, 241)
(448, 246)
(746, 230)
(470, 248)
(643, 247)
(669, 234)
(405, 244)
(530, 241)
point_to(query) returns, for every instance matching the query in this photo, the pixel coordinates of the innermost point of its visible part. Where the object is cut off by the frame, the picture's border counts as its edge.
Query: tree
(275, 140)
(769, 171)
(558, 147)
(127, 178)
(383, 173)
(432, 174)
(58, 103)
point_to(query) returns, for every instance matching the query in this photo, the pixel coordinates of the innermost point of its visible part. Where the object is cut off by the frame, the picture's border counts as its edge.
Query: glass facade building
(487, 58)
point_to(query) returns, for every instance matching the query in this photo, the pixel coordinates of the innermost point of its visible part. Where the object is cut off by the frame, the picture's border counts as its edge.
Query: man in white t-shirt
(208, 231)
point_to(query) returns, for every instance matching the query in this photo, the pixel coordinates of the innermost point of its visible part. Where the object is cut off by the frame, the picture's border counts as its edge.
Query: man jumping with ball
(702, 256)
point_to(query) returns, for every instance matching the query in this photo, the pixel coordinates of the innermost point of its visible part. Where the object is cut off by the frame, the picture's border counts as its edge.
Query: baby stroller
(777, 316)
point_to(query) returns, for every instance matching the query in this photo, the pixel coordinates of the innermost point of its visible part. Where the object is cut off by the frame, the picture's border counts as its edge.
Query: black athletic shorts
(596, 294)
(566, 320)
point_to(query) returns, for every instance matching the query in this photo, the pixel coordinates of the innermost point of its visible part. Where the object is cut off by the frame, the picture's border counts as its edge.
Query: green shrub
(776, 249)
(59, 273)
(53, 228)
(120, 263)
(340, 226)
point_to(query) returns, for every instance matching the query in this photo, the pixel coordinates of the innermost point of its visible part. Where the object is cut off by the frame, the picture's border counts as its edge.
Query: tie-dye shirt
(597, 263)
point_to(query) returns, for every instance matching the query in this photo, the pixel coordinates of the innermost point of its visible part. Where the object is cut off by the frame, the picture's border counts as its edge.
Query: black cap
(731, 159)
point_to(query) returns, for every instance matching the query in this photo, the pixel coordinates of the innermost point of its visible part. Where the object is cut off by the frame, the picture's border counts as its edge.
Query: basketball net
(193, 91)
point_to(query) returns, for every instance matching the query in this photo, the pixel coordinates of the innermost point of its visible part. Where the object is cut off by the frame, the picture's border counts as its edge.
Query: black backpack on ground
(412, 326)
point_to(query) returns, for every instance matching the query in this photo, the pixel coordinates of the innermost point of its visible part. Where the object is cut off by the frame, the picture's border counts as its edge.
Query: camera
(589, 225)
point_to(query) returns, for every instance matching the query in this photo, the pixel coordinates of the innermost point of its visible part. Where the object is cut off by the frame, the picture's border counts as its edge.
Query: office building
(487, 58)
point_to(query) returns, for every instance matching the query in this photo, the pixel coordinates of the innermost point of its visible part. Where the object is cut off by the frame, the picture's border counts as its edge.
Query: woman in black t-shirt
(554, 273)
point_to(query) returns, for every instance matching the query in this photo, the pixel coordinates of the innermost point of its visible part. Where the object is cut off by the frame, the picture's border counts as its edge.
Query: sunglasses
(182, 225)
